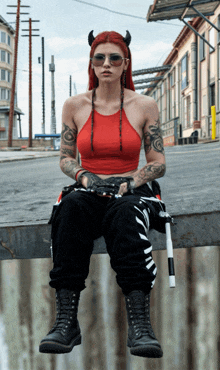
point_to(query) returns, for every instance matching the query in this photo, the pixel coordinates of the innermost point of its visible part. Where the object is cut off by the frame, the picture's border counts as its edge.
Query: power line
(125, 14)
(109, 10)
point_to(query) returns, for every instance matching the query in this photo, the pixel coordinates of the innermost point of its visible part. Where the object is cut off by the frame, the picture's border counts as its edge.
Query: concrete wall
(185, 319)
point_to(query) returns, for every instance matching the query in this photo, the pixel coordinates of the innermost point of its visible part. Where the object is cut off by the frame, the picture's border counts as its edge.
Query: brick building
(6, 70)
(192, 84)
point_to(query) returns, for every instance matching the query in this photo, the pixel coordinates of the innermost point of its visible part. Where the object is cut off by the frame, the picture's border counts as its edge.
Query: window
(2, 120)
(3, 94)
(187, 112)
(172, 78)
(9, 40)
(3, 56)
(3, 74)
(8, 94)
(204, 105)
(9, 76)
(162, 88)
(211, 38)
(202, 48)
(9, 58)
(3, 37)
(184, 72)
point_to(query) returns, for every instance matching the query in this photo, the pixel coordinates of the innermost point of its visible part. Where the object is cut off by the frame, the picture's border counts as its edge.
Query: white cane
(169, 245)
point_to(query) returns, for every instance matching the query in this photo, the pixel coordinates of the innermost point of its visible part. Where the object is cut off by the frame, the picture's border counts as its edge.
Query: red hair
(117, 39)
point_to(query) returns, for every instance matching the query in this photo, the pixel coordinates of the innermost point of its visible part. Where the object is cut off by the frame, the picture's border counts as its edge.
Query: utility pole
(70, 85)
(53, 113)
(41, 61)
(43, 88)
(12, 101)
(74, 88)
(30, 74)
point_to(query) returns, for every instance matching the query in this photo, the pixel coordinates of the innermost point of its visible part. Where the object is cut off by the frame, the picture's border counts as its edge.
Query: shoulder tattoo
(153, 138)
(68, 135)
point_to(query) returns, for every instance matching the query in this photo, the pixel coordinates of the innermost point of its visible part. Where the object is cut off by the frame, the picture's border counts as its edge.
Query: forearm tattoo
(153, 138)
(149, 172)
(68, 162)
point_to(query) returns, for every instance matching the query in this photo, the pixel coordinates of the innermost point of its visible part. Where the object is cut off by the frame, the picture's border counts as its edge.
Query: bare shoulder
(145, 104)
(74, 103)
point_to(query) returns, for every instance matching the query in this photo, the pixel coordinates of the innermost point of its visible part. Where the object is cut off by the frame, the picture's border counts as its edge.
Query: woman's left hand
(115, 186)
(123, 189)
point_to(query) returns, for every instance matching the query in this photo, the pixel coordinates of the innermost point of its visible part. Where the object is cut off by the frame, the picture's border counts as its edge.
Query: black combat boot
(141, 338)
(65, 333)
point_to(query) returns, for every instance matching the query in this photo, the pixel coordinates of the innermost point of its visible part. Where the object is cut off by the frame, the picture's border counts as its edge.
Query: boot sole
(147, 351)
(56, 347)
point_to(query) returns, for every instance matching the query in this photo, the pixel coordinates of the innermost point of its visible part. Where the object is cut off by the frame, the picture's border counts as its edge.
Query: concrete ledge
(33, 240)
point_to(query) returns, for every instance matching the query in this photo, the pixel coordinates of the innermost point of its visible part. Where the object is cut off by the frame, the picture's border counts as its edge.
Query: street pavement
(29, 188)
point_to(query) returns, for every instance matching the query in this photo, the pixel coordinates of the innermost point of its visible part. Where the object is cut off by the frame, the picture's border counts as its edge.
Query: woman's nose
(106, 61)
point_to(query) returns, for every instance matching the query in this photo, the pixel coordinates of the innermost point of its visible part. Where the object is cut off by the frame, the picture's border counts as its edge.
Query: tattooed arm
(68, 150)
(153, 146)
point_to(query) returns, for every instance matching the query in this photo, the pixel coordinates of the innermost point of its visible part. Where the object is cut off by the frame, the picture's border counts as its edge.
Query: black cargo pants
(82, 217)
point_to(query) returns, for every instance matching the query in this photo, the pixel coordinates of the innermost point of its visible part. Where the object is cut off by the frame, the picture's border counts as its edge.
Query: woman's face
(108, 72)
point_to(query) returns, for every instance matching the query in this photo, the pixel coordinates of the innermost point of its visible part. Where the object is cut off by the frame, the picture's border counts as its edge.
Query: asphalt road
(29, 188)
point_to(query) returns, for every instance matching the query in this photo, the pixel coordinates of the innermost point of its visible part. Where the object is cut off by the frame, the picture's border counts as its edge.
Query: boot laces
(140, 317)
(65, 312)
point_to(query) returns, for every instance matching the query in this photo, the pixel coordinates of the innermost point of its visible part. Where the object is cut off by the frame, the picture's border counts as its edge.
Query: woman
(111, 196)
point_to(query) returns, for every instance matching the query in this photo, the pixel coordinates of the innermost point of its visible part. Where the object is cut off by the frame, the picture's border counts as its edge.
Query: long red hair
(114, 38)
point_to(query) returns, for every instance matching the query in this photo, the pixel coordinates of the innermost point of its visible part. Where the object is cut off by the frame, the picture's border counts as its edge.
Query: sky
(65, 26)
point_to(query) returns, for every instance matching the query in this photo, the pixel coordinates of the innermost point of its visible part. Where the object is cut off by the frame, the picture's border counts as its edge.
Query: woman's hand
(107, 187)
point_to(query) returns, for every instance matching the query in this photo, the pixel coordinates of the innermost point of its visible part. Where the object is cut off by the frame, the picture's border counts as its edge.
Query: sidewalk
(9, 156)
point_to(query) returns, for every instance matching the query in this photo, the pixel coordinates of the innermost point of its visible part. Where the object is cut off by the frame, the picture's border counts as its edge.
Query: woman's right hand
(89, 179)
(84, 181)
(105, 187)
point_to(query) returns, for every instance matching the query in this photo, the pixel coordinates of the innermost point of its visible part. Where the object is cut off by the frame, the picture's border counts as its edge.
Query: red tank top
(106, 157)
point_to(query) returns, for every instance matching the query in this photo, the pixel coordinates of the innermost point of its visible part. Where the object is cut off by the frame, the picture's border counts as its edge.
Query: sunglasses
(114, 59)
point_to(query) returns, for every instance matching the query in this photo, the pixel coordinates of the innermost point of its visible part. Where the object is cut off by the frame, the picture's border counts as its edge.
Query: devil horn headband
(127, 38)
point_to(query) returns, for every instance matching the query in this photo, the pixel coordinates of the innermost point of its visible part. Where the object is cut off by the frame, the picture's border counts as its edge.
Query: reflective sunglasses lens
(98, 60)
(116, 60)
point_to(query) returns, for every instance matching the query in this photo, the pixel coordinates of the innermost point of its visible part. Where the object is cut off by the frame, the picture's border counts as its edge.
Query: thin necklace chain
(92, 118)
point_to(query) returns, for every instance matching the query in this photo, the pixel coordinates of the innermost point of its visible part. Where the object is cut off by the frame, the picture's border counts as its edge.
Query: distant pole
(74, 87)
(12, 101)
(30, 85)
(53, 114)
(19, 119)
(70, 85)
(213, 112)
(43, 89)
(30, 75)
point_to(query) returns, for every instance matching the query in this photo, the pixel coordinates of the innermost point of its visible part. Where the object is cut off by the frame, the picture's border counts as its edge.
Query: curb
(2, 160)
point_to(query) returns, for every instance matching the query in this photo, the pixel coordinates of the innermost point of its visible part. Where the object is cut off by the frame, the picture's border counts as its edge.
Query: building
(6, 70)
(192, 84)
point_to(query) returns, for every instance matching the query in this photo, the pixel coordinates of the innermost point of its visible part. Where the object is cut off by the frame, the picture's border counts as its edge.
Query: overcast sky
(65, 26)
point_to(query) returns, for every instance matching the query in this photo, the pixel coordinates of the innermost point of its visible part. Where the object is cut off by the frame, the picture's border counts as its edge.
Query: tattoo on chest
(68, 135)
(153, 138)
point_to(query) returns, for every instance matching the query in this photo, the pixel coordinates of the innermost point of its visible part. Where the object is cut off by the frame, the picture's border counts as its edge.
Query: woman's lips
(106, 73)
